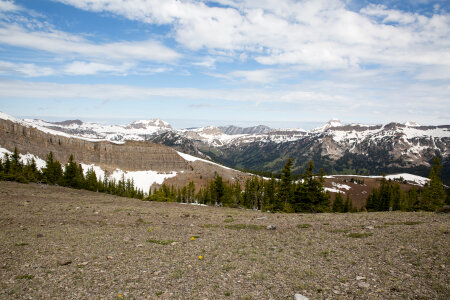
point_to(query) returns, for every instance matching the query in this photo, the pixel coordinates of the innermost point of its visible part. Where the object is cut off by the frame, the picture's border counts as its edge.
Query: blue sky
(281, 63)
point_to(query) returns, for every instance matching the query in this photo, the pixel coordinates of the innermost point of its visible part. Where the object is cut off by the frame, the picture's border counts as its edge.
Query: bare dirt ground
(59, 243)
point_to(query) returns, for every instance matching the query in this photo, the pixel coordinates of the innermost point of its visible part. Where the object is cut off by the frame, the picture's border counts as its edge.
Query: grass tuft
(161, 242)
(304, 225)
(245, 226)
(358, 235)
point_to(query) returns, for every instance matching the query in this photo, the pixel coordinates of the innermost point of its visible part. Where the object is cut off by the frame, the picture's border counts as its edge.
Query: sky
(281, 63)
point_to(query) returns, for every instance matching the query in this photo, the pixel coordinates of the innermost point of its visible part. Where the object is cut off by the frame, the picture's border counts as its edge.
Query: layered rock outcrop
(129, 156)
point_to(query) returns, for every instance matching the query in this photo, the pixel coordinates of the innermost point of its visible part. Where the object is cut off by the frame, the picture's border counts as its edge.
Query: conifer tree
(433, 192)
(286, 188)
(338, 204)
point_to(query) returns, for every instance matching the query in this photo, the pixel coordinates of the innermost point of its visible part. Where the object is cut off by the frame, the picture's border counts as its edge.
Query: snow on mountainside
(336, 146)
(136, 131)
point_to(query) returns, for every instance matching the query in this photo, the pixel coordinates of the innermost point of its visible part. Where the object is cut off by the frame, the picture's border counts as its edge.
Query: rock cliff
(130, 156)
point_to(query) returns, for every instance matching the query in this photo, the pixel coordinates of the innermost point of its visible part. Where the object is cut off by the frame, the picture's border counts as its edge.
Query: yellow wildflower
(192, 238)
(200, 257)
(119, 296)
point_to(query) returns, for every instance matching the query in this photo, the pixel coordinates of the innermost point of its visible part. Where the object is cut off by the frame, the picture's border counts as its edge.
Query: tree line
(288, 193)
(389, 195)
(69, 175)
(285, 194)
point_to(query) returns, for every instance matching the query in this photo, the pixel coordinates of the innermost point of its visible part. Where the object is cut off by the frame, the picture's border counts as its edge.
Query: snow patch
(332, 190)
(193, 158)
(341, 186)
(25, 158)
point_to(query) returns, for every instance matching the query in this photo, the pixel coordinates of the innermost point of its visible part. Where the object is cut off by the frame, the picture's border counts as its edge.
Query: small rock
(96, 213)
(109, 257)
(64, 262)
(261, 218)
(360, 278)
(173, 243)
(362, 284)
(84, 263)
(157, 273)
(369, 227)
(139, 245)
(271, 227)
(300, 297)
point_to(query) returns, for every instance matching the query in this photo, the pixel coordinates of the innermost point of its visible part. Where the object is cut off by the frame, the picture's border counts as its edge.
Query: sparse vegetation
(235, 258)
(161, 242)
(359, 235)
(304, 225)
(244, 226)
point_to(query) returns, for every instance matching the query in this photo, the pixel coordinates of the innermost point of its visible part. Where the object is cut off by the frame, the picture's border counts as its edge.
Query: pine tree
(52, 173)
(286, 188)
(309, 194)
(396, 196)
(433, 192)
(338, 204)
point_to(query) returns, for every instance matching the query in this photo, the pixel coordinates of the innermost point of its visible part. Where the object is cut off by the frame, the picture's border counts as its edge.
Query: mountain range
(336, 147)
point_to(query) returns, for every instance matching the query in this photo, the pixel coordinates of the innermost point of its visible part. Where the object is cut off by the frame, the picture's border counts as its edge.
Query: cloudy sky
(282, 63)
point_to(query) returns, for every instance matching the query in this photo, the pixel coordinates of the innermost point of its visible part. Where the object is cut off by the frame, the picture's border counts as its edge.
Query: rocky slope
(338, 148)
(135, 158)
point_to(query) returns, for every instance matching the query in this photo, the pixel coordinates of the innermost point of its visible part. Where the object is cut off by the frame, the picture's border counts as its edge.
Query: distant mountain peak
(411, 124)
(149, 123)
(68, 122)
(233, 130)
(330, 124)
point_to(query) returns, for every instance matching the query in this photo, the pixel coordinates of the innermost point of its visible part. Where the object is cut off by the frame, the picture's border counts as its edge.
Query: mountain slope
(140, 160)
(336, 147)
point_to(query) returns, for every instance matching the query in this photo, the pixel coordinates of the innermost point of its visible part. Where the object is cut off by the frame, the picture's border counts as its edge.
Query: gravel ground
(67, 244)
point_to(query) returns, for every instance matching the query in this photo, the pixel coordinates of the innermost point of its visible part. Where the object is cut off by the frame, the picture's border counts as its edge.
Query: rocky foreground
(70, 244)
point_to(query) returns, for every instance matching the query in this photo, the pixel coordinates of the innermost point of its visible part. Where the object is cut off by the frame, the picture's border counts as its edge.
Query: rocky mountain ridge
(336, 147)
(132, 158)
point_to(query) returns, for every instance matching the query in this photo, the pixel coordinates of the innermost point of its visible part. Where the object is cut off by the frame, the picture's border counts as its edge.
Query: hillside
(336, 147)
(143, 161)
(71, 244)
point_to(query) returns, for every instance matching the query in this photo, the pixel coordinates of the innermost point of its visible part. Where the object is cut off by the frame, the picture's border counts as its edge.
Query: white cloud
(356, 100)
(91, 68)
(322, 34)
(69, 44)
(24, 69)
(8, 6)
(257, 76)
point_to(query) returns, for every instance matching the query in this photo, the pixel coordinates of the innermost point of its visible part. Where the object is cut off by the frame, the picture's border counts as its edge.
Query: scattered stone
(157, 273)
(300, 297)
(261, 218)
(369, 227)
(84, 263)
(139, 245)
(173, 243)
(360, 278)
(362, 284)
(271, 227)
(64, 262)
(109, 257)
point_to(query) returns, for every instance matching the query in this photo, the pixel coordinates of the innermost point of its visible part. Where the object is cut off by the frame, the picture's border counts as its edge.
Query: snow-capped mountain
(136, 131)
(337, 147)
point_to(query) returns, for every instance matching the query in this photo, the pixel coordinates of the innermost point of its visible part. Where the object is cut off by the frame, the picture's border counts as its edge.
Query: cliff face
(130, 156)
